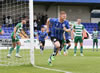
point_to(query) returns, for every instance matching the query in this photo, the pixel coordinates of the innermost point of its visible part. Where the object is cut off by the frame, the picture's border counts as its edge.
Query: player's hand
(82, 38)
(26, 37)
(14, 36)
(64, 28)
(47, 30)
(72, 38)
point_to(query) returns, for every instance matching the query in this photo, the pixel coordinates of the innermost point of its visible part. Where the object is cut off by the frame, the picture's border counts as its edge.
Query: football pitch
(89, 63)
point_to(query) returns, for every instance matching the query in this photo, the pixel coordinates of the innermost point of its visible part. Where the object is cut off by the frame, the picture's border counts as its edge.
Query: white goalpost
(31, 31)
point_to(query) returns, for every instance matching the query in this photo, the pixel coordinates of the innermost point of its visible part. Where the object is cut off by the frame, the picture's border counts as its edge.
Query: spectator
(35, 25)
(98, 26)
(4, 19)
(45, 18)
(39, 23)
(42, 19)
(7, 21)
(35, 16)
(38, 16)
(10, 21)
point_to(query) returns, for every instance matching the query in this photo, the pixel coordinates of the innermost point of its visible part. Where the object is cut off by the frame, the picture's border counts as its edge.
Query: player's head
(24, 20)
(42, 28)
(79, 21)
(94, 29)
(63, 15)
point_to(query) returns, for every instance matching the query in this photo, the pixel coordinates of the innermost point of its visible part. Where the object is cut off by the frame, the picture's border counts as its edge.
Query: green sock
(97, 47)
(17, 49)
(81, 49)
(11, 49)
(64, 48)
(75, 49)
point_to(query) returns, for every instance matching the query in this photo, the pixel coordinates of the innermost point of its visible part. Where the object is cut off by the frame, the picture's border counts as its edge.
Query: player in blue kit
(42, 36)
(59, 25)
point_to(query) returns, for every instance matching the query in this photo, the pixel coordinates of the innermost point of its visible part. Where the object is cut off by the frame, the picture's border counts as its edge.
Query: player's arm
(64, 36)
(50, 21)
(37, 36)
(15, 28)
(67, 28)
(24, 34)
(46, 36)
(83, 32)
(72, 33)
(47, 23)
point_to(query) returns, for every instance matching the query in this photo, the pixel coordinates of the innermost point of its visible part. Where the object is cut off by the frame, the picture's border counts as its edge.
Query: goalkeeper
(15, 40)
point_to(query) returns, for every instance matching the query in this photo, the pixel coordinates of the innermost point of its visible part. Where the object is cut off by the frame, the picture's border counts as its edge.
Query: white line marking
(52, 69)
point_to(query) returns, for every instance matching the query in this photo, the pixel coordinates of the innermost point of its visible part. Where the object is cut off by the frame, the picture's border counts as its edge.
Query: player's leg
(13, 46)
(96, 44)
(56, 49)
(65, 49)
(11, 49)
(18, 47)
(40, 46)
(75, 47)
(42, 43)
(81, 46)
(69, 45)
(93, 44)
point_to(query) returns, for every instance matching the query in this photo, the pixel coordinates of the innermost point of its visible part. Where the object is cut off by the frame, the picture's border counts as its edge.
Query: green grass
(90, 63)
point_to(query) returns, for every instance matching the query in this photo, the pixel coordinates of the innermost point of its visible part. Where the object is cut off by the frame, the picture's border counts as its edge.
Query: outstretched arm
(24, 34)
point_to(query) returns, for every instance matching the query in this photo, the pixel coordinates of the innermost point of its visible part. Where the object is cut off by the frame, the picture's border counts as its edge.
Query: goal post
(31, 31)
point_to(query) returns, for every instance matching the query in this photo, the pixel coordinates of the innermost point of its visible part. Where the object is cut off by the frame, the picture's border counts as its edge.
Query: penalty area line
(52, 69)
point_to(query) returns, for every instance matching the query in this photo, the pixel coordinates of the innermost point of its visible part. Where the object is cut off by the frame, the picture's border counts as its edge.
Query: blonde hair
(62, 12)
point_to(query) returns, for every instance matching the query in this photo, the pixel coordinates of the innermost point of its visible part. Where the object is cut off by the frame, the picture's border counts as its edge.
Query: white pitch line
(52, 69)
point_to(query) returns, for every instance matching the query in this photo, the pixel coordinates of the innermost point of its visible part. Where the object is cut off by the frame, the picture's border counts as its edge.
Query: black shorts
(67, 41)
(43, 42)
(54, 39)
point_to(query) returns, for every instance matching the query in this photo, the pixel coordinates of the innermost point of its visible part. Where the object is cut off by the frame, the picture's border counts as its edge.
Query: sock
(60, 49)
(41, 47)
(68, 47)
(81, 49)
(53, 54)
(97, 47)
(64, 48)
(93, 46)
(17, 49)
(11, 49)
(75, 49)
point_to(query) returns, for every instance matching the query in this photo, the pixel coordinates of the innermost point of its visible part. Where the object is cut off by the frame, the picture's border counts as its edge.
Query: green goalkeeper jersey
(78, 29)
(95, 34)
(19, 27)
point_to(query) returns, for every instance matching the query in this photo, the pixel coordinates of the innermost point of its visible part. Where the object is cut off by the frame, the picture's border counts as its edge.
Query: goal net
(11, 13)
